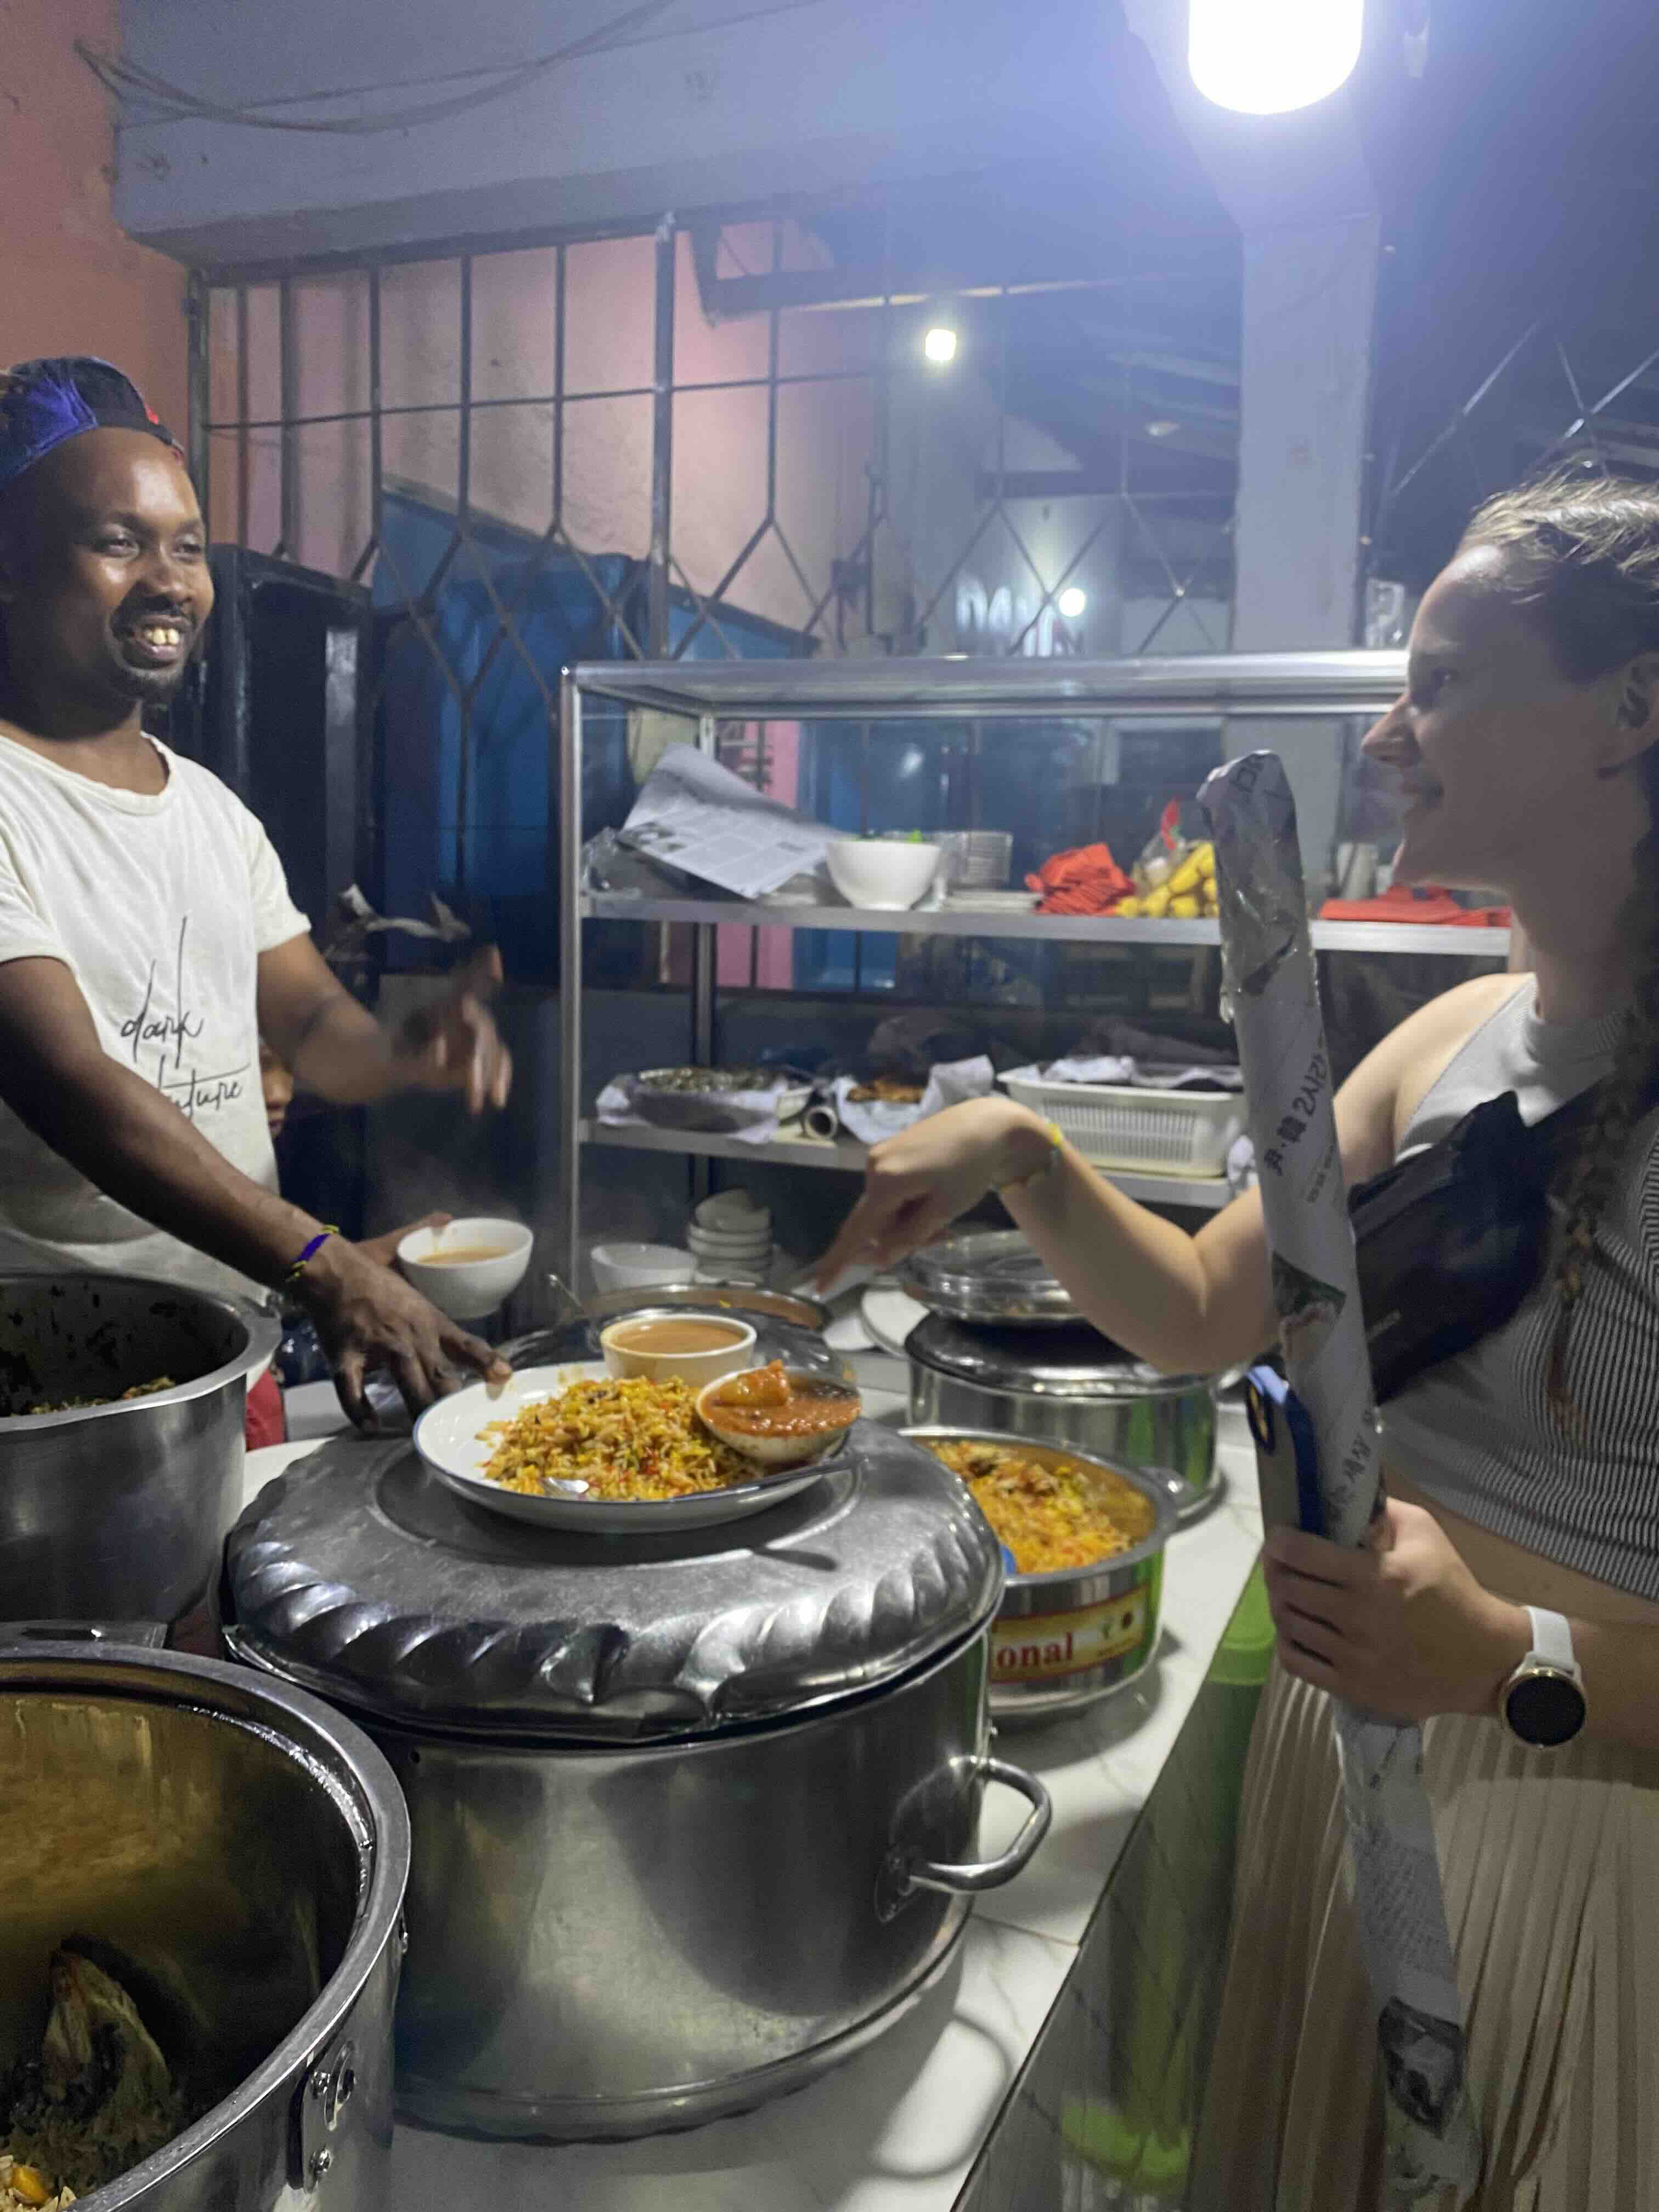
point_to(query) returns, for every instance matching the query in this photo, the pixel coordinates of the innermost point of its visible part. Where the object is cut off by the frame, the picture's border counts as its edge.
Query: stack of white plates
(731, 1239)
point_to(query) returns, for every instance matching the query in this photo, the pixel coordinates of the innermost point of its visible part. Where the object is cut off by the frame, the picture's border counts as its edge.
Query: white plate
(889, 1316)
(969, 901)
(449, 1438)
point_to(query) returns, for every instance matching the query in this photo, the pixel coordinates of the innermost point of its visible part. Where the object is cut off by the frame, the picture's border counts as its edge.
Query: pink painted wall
(70, 280)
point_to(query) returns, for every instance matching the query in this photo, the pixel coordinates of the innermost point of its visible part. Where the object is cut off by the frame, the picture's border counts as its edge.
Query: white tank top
(1476, 1433)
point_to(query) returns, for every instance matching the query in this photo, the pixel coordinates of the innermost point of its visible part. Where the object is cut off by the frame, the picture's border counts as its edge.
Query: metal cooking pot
(1069, 1386)
(610, 1943)
(1062, 1640)
(119, 1511)
(694, 1815)
(244, 1852)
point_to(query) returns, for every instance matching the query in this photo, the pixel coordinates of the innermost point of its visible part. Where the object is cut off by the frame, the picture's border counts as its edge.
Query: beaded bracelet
(1056, 1143)
(309, 1253)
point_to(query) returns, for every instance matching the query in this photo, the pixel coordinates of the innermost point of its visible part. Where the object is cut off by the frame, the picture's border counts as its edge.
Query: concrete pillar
(1309, 291)
(1299, 190)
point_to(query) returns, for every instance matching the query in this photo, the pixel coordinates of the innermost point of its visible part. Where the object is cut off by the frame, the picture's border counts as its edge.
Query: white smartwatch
(1543, 1703)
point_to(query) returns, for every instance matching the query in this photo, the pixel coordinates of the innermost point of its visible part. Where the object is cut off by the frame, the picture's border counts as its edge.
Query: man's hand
(453, 1044)
(368, 1317)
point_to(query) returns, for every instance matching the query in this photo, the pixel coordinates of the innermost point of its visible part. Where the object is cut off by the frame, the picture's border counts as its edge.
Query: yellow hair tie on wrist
(1056, 1143)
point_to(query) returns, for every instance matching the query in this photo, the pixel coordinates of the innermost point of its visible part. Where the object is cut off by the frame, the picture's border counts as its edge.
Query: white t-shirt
(160, 906)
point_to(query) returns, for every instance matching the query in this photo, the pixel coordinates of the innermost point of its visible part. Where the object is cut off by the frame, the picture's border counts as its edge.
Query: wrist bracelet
(309, 1253)
(1056, 1142)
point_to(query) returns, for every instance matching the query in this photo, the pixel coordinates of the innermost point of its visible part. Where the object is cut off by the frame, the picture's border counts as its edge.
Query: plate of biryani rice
(578, 1448)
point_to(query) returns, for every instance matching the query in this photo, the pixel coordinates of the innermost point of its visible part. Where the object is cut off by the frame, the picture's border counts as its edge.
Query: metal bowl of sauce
(779, 1416)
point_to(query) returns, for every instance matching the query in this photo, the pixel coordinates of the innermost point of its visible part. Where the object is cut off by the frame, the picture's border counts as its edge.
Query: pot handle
(973, 1875)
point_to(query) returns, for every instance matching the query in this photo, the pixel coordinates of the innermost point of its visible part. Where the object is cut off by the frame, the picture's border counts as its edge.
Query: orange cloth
(1086, 880)
(266, 1419)
(1419, 903)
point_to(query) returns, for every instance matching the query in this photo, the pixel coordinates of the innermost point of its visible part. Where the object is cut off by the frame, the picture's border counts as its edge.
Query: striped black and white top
(1476, 1432)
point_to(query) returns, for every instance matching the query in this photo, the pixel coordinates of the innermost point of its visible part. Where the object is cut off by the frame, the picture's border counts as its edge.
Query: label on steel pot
(1045, 1645)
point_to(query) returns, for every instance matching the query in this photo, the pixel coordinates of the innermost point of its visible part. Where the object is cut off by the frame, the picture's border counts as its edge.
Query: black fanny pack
(1450, 1241)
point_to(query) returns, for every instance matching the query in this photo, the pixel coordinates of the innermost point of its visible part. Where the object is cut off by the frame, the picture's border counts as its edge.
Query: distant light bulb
(1162, 428)
(940, 344)
(1072, 602)
(1267, 56)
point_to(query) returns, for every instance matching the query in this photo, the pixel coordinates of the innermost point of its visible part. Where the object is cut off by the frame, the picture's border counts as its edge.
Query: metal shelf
(1226, 687)
(1207, 1192)
(1374, 937)
(1278, 684)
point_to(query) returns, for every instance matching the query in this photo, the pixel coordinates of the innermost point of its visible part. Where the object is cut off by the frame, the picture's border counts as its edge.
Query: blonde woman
(1523, 1473)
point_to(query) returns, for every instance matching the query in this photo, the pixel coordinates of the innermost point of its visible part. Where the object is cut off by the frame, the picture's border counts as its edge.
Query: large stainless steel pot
(248, 1850)
(694, 1816)
(607, 1943)
(1062, 1640)
(1069, 1386)
(120, 1511)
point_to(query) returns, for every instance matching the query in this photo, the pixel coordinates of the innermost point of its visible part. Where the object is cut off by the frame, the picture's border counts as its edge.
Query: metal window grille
(750, 427)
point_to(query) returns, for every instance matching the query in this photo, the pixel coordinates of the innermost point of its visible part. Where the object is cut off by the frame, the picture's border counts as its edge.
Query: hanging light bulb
(939, 344)
(1266, 57)
(1071, 602)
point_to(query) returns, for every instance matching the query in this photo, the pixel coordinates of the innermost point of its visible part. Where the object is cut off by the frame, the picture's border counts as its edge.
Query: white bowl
(695, 1368)
(636, 1266)
(733, 1213)
(881, 873)
(782, 1451)
(466, 1290)
(711, 1244)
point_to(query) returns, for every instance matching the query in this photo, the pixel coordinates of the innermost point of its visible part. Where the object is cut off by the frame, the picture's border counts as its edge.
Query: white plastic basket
(1171, 1133)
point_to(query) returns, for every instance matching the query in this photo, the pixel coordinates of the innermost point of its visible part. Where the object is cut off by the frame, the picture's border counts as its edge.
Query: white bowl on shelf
(881, 874)
(466, 1288)
(710, 1244)
(731, 1213)
(637, 1266)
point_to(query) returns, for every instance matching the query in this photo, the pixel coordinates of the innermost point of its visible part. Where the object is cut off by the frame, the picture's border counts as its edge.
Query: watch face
(1544, 1708)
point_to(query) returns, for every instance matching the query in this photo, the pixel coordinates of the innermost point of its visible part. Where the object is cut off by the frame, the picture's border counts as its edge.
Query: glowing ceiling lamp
(940, 344)
(1266, 57)
(1072, 602)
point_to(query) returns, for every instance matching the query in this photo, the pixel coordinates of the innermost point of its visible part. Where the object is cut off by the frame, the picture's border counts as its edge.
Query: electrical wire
(176, 104)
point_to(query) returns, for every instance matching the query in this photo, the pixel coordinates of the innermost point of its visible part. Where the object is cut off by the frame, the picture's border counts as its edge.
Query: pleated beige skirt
(1551, 1868)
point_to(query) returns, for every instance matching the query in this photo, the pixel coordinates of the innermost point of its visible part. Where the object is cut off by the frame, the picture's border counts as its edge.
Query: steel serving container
(119, 1511)
(1069, 1386)
(991, 1278)
(694, 1814)
(1061, 1641)
(243, 1851)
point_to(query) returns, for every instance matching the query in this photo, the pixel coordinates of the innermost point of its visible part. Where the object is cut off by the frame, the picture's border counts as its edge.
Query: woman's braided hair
(1582, 553)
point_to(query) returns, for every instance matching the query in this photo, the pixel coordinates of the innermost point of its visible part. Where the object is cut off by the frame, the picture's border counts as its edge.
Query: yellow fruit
(1186, 877)
(1128, 907)
(1207, 862)
(1183, 909)
(1155, 904)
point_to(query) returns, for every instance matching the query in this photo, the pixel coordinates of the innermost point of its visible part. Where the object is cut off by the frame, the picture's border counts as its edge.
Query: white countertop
(896, 2129)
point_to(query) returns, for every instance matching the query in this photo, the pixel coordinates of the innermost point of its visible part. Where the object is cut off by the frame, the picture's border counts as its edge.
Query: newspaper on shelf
(1430, 2136)
(693, 815)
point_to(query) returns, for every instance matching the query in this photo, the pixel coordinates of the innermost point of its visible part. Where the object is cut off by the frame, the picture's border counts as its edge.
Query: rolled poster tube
(1268, 966)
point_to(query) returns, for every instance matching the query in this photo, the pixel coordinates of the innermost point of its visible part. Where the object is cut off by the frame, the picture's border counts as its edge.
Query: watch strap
(1552, 1640)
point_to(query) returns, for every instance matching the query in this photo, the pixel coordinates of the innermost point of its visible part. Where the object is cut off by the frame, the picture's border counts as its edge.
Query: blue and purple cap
(45, 402)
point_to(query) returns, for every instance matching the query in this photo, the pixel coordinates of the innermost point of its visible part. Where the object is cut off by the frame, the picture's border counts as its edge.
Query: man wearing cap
(147, 937)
